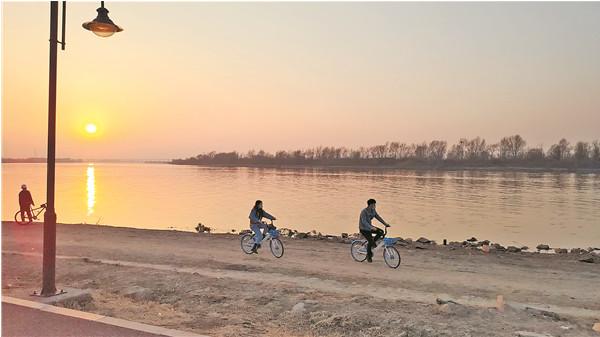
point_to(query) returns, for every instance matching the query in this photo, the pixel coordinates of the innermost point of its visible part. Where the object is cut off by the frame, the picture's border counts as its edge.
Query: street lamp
(101, 25)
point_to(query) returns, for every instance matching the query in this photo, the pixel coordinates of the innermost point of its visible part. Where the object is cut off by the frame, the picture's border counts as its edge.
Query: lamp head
(102, 25)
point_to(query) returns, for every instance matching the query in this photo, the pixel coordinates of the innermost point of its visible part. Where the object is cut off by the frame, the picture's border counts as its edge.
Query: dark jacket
(25, 199)
(364, 221)
(255, 218)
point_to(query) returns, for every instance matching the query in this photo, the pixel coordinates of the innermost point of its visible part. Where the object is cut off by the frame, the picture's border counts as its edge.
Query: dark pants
(28, 211)
(372, 240)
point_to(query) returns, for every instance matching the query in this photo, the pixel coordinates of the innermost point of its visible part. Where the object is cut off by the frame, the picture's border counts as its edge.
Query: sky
(186, 78)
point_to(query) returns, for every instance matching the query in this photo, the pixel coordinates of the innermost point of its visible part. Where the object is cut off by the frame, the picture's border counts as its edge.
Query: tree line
(509, 151)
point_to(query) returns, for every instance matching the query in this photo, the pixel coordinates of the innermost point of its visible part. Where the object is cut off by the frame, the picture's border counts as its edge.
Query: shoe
(369, 259)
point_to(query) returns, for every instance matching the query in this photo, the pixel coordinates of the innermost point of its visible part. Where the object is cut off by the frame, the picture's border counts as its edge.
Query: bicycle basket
(389, 241)
(274, 233)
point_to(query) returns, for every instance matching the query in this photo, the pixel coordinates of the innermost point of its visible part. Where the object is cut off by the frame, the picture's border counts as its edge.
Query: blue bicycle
(391, 256)
(271, 236)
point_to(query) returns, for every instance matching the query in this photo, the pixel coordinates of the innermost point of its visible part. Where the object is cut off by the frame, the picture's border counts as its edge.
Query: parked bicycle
(391, 256)
(35, 212)
(271, 236)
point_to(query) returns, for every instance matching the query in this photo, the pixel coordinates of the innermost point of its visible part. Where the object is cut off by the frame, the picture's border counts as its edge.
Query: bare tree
(458, 150)
(476, 149)
(512, 147)
(596, 150)
(535, 154)
(582, 151)
(395, 150)
(560, 151)
(437, 150)
(421, 151)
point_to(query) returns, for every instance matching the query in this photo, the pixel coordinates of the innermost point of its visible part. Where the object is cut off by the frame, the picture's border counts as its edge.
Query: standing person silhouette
(25, 203)
(367, 229)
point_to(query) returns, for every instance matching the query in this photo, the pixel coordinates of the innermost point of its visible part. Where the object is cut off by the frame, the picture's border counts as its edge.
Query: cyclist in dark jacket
(256, 224)
(367, 229)
(25, 203)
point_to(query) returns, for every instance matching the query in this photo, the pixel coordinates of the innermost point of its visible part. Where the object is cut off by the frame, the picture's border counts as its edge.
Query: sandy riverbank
(204, 283)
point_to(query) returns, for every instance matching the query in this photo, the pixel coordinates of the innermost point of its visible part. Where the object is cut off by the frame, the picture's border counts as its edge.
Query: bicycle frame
(382, 243)
(37, 211)
(267, 235)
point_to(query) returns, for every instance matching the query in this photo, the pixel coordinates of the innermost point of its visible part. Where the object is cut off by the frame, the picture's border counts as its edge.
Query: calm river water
(513, 208)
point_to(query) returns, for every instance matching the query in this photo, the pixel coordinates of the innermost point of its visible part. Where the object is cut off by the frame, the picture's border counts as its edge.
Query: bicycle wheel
(276, 248)
(358, 250)
(247, 242)
(391, 257)
(21, 221)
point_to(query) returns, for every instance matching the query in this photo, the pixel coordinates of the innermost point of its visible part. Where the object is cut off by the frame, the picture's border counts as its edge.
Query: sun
(91, 128)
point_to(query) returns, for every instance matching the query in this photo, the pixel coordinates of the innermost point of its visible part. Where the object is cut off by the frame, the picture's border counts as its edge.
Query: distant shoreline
(408, 167)
(38, 160)
(414, 166)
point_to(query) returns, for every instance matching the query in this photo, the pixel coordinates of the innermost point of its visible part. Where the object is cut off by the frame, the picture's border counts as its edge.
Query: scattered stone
(137, 293)
(543, 247)
(577, 251)
(402, 242)
(202, 229)
(472, 239)
(596, 327)
(441, 301)
(530, 334)
(561, 250)
(590, 259)
(524, 248)
(245, 231)
(498, 247)
(500, 303)
(423, 240)
(452, 308)
(299, 308)
(544, 313)
(484, 242)
(420, 246)
(301, 235)
(513, 249)
(344, 235)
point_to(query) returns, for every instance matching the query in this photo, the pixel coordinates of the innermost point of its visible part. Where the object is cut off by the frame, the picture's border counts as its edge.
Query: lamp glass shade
(102, 25)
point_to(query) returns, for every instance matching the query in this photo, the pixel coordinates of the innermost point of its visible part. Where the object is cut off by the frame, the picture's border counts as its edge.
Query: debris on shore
(590, 255)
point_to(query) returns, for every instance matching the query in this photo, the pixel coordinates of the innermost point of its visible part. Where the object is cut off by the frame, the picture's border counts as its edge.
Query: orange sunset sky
(185, 78)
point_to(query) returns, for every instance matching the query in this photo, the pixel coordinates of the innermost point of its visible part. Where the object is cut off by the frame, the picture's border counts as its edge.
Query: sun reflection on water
(91, 189)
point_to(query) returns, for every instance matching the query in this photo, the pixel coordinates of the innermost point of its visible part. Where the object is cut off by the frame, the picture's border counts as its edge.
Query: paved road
(19, 321)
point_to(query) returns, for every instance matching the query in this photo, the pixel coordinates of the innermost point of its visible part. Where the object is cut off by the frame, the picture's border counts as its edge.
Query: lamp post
(101, 26)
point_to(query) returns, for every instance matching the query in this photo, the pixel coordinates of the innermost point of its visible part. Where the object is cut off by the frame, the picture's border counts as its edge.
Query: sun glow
(91, 128)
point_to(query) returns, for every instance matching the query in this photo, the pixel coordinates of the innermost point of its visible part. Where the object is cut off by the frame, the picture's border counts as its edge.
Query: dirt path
(338, 296)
